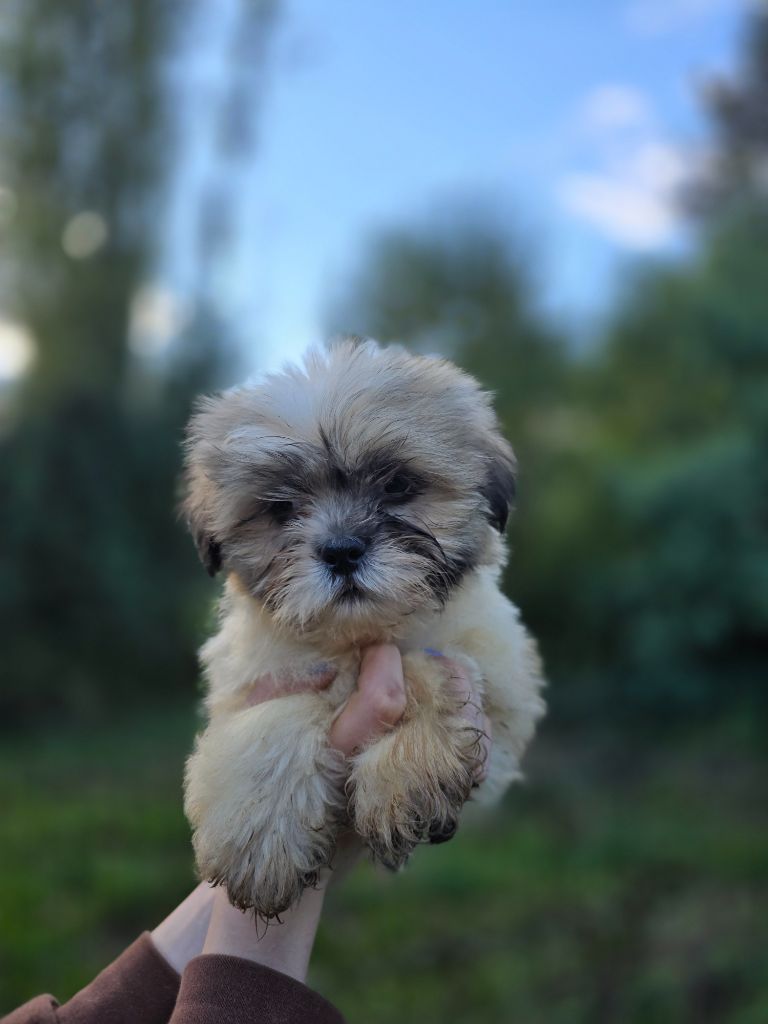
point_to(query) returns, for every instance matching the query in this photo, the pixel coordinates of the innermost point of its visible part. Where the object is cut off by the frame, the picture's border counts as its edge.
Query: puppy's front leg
(264, 795)
(410, 786)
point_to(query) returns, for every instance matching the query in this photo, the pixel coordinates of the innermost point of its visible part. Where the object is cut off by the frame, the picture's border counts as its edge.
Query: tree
(640, 551)
(100, 593)
(735, 175)
(682, 384)
(462, 286)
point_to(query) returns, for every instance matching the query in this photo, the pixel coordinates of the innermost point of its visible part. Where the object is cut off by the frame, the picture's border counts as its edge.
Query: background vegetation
(624, 882)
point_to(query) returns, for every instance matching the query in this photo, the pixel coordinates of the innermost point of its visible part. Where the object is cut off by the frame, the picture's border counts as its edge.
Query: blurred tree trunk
(100, 593)
(83, 119)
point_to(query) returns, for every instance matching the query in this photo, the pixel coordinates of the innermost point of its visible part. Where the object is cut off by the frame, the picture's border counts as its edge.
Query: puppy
(358, 499)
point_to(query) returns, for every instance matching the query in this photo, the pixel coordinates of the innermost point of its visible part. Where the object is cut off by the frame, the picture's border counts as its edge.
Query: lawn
(626, 882)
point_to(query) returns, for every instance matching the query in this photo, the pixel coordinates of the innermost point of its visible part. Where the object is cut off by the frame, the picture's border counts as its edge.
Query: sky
(575, 119)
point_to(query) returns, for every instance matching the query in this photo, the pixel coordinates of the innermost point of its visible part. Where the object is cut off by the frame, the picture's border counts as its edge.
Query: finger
(378, 703)
(267, 687)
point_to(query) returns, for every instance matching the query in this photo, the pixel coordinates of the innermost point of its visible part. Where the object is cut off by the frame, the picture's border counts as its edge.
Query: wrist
(283, 945)
(181, 935)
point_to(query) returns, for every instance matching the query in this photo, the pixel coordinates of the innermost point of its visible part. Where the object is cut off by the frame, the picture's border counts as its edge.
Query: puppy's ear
(195, 509)
(500, 484)
(209, 551)
(204, 462)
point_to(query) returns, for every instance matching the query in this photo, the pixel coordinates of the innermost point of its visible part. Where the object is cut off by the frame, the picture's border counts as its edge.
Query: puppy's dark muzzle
(343, 554)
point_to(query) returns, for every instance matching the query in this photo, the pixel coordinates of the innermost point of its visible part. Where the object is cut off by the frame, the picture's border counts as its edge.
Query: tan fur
(263, 790)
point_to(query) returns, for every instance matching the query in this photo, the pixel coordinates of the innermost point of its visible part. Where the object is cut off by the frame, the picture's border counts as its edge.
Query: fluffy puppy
(358, 499)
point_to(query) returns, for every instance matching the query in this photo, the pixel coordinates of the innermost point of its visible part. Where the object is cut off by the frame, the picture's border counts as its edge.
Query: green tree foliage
(737, 172)
(100, 594)
(641, 543)
(458, 286)
(684, 392)
(682, 383)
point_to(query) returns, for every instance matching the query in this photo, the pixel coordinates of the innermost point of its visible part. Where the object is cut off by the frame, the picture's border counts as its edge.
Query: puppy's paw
(409, 787)
(265, 862)
(261, 874)
(264, 798)
(423, 806)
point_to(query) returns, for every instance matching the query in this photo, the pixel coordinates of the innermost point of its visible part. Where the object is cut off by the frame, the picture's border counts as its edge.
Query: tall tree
(462, 286)
(735, 174)
(99, 590)
(640, 551)
(683, 384)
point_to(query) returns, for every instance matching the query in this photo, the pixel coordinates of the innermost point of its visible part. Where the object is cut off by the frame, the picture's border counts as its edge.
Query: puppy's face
(352, 492)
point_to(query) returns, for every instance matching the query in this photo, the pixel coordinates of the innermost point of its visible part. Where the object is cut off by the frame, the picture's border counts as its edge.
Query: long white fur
(264, 792)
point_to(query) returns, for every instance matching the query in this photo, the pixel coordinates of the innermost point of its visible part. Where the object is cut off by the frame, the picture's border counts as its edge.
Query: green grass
(625, 882)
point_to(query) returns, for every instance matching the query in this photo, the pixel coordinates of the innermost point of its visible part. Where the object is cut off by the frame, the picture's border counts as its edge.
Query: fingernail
(322, 668)
(433, 653)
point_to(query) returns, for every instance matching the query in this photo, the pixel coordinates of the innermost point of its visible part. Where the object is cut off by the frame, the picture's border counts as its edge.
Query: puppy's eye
(400, 488)
(281, 510)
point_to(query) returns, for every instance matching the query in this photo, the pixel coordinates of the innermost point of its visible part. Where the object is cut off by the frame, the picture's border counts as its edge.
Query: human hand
(376, 705)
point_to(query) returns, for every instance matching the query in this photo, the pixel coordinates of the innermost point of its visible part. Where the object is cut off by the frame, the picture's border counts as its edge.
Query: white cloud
(633, 201)
(653, 17)
(628, 189)
(614, 106)
(659, 166)
(624, 212)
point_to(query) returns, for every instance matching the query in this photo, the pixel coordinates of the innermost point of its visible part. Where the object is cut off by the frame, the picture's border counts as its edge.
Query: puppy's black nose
(343, 554)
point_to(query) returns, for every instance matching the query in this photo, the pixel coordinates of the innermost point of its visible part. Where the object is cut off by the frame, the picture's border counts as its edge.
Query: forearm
(181, 936)
(283, 945)
(250, 968)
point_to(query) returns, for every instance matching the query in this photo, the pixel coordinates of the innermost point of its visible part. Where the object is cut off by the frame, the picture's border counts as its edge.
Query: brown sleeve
(216, 989)
(140, 987)
(40, 1010)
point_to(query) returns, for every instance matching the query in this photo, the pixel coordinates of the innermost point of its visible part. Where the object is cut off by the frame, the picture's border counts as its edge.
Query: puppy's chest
(237, 656)
(247, 648)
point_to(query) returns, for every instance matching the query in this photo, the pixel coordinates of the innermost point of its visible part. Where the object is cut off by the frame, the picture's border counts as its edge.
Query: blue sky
(578, 119)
